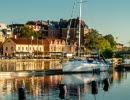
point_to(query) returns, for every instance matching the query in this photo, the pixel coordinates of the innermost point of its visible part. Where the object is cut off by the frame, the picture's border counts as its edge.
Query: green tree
(108, 53)
(103, 44)
(27, 32)
(94, 40)
(110, 38)
(91, 39)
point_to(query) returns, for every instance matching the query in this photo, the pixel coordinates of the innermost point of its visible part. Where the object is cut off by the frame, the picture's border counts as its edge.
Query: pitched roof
(27, 41)
(75, 22)
(32, 23)
(16, 25)
(52, 38)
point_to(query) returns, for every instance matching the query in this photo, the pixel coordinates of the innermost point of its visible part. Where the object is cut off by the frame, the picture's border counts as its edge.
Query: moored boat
(91, 64)
(87, 65)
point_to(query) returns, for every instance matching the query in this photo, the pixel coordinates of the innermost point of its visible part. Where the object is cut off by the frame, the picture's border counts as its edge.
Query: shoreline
(29, 59)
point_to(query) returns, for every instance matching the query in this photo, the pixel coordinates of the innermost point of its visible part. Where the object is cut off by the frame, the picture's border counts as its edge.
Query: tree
(108, 53)
(91, 38)
(103, 44)
(94, 40)
(27, 32)
(110, 38)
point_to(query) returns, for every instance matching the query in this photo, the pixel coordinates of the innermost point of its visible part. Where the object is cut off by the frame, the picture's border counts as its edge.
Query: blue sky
(106, 16)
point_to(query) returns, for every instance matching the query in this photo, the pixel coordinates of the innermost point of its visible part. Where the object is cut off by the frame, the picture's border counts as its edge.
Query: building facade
(22, 47)
(45, 47)
(5, 32)
(74, 31)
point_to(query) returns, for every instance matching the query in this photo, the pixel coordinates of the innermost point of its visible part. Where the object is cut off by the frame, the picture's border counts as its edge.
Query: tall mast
(80, 4)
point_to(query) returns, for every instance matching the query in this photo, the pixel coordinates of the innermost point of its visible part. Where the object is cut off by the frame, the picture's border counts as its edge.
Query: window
(18, 48)
(11, 48)
(40, 48)
(22, 48)
(54, 48)
(6, 48)
(26, 48)
(30, 48)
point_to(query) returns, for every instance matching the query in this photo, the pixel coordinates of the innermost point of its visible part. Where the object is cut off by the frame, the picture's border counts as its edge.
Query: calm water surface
(78, 86)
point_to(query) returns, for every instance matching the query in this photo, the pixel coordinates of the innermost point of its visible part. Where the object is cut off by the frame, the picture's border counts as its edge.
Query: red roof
(27, 41)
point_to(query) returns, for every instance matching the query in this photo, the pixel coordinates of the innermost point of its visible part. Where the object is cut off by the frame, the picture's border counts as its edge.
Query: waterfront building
(57, 46)
(16, 29)
(74, 29)
(119, 46)
(73, 34)
(5, 32)
(45, 47)
(35, 25)
(52, 38)
(53, 29)
(22, 47)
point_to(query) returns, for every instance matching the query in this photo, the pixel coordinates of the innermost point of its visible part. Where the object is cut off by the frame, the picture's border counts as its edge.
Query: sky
(106, 16)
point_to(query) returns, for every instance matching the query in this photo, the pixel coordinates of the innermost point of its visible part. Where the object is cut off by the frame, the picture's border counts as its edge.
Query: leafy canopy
(27, 32)
(111, 40)
(94, 40)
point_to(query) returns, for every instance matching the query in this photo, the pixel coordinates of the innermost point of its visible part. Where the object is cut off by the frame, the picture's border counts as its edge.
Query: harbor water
(85, 86)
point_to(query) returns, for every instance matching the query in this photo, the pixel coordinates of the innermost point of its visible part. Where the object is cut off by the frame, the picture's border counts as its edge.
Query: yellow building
(45, 47)
(57, 46)
(22, 47)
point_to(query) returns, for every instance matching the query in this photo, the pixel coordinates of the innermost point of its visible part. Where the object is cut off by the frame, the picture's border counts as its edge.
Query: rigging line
(70, 20)
(73, 9)
(68, 27)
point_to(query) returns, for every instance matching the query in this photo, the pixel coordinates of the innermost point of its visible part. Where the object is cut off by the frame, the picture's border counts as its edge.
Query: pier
(123, 67)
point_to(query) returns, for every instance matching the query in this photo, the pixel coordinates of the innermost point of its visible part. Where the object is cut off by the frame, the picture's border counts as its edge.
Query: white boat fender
(63, 91)
(94, 87)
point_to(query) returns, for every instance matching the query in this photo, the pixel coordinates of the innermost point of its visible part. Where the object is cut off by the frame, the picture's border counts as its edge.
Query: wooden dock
(123, 66)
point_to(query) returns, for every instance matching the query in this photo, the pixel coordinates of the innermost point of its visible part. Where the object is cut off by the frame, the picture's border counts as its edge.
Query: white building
(5, 32)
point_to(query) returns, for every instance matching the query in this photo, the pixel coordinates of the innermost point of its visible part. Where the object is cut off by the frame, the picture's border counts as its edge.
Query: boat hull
(79, 66)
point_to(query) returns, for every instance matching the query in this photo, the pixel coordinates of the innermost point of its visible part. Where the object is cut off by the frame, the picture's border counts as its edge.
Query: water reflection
(78, 84)
(63, 91)
(17, 65)
(106, 84)
(36, 86)
(66, 86)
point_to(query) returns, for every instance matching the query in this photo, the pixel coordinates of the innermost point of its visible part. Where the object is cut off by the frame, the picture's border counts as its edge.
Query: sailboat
(92, 64)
